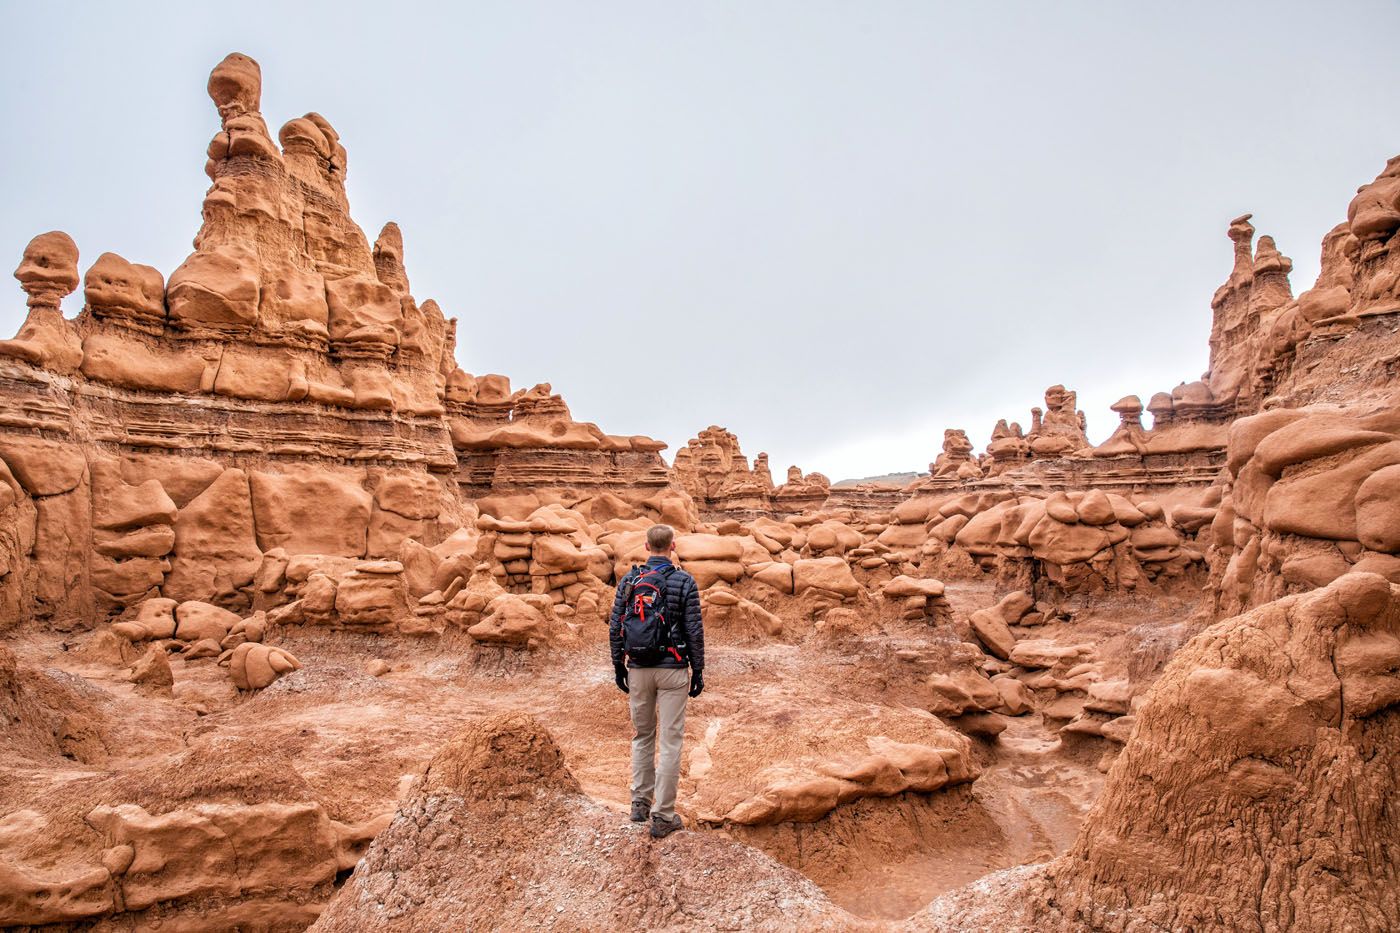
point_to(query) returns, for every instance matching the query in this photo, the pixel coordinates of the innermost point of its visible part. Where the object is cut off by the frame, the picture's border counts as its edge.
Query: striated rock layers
(284, 395)
(1272, 469)
(1184, 448)
(283, 391)
(1334, 343)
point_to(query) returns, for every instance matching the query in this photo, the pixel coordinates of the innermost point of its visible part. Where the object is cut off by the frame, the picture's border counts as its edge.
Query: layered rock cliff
(283, 391)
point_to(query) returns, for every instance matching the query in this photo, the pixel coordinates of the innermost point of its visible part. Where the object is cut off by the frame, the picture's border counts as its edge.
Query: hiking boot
(660, 828)
(640, 810)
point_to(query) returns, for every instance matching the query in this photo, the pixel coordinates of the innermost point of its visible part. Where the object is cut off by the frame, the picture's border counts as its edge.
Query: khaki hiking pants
(657, 697)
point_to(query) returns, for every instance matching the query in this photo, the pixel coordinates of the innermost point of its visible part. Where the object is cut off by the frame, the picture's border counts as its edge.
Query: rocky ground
(337, 737)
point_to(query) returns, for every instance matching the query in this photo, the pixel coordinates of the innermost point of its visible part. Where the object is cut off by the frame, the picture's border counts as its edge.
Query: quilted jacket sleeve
(694, 625)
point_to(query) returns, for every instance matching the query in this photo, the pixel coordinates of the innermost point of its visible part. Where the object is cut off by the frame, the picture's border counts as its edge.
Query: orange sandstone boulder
(254, 666)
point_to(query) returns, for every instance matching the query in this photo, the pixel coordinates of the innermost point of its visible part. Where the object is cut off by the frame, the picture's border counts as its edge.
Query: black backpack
(646, 632)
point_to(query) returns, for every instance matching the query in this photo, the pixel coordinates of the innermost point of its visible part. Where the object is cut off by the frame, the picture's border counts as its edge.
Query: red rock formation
(510, 442)
(1311, 496)
(1055, 433)
(802, 492)
(1187, 431)
(1059, 430)
(1270, 348)
(1183, 448)
(713, 471)
(47, 273)
(275, 449)
(1007, 449)
(1253, 792)
(822, 758)
(271, 395)
(956, 460)
(1245, 307)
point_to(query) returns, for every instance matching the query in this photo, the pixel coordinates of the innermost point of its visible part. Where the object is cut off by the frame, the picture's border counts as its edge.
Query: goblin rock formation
(47, 273)
(714, 472)
(283, 394)
(264, 546)
(1059, 430)
(956, 460)
(465, 851)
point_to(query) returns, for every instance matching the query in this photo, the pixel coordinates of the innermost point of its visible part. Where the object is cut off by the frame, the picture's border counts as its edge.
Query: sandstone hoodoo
(305, 626)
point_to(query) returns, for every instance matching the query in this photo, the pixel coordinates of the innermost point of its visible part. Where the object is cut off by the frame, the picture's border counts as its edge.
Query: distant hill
(888, 479)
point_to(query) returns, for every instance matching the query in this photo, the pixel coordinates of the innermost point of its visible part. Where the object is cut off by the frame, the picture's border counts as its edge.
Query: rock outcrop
(1059, 429)
(1335, 340)
(1253, 791)
(45, 717)
(1184, 447)
(956, 460)
(1311, 496)
(781, 764)
(714, 472)
(526, 442)
(260, 850)
(1245, 307)
(282, 393)
(468, 849)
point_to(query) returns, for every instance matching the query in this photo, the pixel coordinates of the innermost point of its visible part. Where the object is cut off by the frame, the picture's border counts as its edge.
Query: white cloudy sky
(845, 225)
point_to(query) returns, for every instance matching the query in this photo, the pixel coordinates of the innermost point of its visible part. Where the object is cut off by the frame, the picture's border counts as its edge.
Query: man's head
(661, 539)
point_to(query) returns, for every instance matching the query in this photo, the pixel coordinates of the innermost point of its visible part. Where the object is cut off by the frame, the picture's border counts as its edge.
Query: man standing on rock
(655, 634)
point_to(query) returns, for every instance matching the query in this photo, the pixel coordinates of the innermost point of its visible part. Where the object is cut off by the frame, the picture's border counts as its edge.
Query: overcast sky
(834, 228)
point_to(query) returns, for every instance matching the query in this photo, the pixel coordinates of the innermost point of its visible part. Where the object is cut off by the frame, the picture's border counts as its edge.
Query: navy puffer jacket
(682, 610)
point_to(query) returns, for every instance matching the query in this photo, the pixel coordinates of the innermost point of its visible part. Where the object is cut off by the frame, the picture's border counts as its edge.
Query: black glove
(697, 682)
(620, 677)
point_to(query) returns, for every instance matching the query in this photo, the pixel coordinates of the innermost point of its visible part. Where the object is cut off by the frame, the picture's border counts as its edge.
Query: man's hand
(620, 677)
(697, 683)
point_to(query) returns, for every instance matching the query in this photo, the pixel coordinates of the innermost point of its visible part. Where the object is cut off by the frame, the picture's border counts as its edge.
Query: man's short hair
(659, 538)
